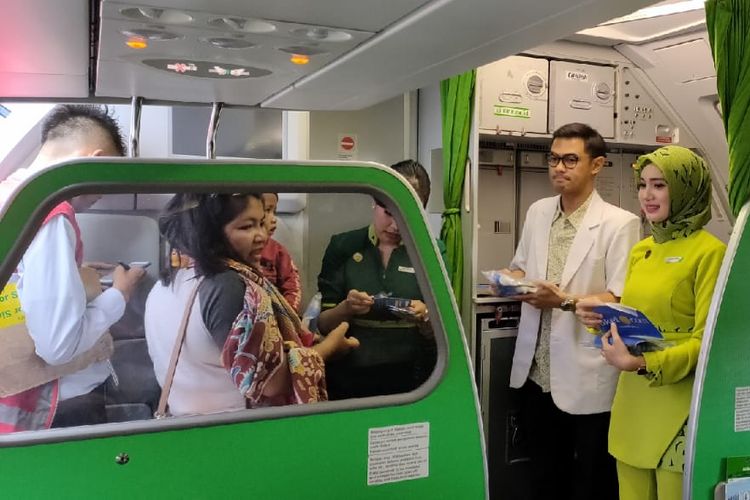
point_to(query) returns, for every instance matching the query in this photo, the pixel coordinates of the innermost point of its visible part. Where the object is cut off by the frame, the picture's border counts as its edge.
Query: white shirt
(581, 381)
(201, 384)
(53, 300)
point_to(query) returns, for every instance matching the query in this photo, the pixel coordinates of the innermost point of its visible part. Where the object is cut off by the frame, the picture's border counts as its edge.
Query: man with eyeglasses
(573, 245)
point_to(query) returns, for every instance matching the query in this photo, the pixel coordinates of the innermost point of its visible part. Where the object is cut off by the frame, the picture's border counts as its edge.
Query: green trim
(187, 458)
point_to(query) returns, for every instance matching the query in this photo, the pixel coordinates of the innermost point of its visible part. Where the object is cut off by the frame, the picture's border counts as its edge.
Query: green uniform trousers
(648, 484)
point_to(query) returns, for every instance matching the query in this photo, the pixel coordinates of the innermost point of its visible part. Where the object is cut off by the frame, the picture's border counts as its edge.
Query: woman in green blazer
(670, 278)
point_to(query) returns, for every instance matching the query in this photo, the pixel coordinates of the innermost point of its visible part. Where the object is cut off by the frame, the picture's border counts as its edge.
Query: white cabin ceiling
(387, 47)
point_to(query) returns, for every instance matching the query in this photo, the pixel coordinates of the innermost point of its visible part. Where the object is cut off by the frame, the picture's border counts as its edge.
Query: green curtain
(456, 103)
(728, 23)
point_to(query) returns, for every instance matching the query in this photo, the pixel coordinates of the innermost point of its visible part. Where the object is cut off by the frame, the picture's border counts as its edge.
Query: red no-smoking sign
(347, 146)
(347, 143)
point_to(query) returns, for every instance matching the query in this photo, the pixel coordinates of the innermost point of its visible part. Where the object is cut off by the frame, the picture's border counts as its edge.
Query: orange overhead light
(299, 59)
(137, 42)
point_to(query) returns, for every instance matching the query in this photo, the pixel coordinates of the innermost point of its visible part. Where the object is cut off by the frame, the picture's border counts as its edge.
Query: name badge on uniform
(404, 269)
(673, 260)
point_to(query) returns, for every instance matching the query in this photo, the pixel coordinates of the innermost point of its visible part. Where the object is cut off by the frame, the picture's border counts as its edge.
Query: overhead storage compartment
(513, 95)
(582, 93)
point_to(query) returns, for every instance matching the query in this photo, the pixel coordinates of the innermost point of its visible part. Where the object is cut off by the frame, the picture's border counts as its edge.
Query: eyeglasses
(570, 161)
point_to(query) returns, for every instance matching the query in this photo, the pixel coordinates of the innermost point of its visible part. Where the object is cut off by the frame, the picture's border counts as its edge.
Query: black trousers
(568, 452)
(86, 409)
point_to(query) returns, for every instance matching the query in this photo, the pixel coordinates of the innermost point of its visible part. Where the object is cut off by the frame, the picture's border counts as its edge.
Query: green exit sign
(512, 111)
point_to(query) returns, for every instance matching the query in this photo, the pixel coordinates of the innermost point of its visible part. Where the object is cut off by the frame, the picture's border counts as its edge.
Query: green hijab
(689, 183)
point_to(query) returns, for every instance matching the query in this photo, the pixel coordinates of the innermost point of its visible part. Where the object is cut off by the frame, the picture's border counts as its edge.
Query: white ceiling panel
(61, 29)
(365, 15)
(642, 30)
(201, 71)
(363, 51)
(687, 60)
(443, 39)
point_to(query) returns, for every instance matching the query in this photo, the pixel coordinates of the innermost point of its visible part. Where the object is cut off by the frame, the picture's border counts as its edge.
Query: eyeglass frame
(550, 156)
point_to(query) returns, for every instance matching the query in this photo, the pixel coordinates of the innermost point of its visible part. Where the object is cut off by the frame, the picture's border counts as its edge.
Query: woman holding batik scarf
(670, 278)
(244, 345)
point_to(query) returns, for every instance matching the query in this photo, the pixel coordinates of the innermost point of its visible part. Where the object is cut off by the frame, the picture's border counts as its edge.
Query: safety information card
(398, 453)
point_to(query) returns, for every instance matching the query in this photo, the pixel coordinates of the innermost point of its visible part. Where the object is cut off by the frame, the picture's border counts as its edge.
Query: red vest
(34, 409)
(66, 210)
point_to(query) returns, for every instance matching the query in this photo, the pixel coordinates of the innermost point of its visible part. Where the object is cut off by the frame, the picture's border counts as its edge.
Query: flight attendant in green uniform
(397, 354)
(670, 278)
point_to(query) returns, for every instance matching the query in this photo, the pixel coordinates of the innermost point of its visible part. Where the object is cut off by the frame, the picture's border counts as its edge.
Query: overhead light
(299, 59)
(151, 34)
(137, 42)
(257, 26)
(661, 9)
(322, 34)
(169, 16)
(228, 42)
(304, 50)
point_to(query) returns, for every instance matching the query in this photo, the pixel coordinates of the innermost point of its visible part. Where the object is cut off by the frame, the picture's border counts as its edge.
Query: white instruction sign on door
(398, 453)
(741, 409)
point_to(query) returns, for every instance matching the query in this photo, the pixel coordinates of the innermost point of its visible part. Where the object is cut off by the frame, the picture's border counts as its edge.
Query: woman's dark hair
(593, 143)
(417, 176)
(193, 224)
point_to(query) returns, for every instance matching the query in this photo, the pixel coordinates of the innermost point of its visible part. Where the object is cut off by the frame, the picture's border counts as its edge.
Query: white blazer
(580, 380)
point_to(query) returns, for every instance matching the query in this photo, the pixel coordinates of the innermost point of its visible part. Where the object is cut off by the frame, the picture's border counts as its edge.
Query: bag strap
(161, 410)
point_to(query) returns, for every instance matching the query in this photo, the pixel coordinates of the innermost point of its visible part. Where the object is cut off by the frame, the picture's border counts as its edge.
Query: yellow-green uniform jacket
(672, 283)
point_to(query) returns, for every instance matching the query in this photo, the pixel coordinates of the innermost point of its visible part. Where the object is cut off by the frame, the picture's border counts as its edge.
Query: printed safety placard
(741, 409)
(10, 306)
(398, 453)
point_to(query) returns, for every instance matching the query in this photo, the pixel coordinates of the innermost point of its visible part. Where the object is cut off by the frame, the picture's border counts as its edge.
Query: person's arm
(221, 297)
(617, 259)
(616, 268)
(674, 363)
(549, 296)
(289, 282)
(332, 287)
(355, 304)
(222, 300)
(53, 299)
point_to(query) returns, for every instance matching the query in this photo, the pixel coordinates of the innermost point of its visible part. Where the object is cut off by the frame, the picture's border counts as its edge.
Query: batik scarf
(689, 183)
(266, 331)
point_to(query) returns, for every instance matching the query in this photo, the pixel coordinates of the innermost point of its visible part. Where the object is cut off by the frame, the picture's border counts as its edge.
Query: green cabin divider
(723, 372)
(305, 451)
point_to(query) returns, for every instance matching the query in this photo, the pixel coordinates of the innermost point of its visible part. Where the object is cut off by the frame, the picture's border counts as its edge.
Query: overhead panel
(512, 95)
(688, 61)
(204, 56)
(441, 39)
(642, 120)
(582, 93)
(362, 15)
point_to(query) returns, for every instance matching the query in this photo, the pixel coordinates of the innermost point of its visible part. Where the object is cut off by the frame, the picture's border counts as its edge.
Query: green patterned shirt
(561, 236)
